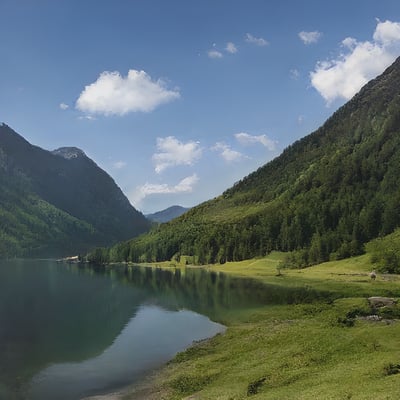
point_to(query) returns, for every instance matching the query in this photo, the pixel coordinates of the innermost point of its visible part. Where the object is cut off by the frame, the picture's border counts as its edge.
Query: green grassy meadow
(321, 350)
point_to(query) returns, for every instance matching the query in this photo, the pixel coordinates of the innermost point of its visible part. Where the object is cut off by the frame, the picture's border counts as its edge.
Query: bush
(385, 253)
(254, 387)
(188, 384)
(392, 369)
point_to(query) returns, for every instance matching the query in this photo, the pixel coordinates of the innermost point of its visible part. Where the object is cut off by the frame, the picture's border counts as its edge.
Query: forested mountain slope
(324, 196)
(55, 203)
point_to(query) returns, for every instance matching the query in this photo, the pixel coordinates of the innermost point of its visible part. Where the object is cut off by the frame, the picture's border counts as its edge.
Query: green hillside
(58, 203)
(323, 197)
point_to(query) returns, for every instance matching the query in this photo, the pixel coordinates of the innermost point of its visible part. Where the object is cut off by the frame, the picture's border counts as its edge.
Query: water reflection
(49, 315)
(67, 323)
(209, 293)
(151, 338)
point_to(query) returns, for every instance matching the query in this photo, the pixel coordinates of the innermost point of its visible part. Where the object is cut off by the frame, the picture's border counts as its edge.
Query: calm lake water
(68, 331)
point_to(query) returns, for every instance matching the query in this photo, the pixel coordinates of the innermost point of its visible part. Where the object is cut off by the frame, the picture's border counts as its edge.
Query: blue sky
(177, 100)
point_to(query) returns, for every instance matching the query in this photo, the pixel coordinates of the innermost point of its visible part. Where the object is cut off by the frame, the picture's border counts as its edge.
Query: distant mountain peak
(59, 202)
(168, 214)
(69, 152)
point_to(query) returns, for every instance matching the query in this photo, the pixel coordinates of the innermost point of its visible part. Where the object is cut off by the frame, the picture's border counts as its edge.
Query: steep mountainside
(168, 214)
(324, 196)
(52, 203)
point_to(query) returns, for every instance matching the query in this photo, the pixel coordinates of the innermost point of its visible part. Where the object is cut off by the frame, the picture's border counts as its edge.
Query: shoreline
(135, 392)
(299, 341)
(145, 388)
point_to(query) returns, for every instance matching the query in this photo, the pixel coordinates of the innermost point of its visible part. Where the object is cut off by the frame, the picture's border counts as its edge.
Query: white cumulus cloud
(231, 48)
(254, 40)
(214, 54)
(64, 106)
(387, 32)
(246, 139)
(172, 152)
(310, 37)
(358, 63)
(226, 152)
(184, 186)
(114, 94)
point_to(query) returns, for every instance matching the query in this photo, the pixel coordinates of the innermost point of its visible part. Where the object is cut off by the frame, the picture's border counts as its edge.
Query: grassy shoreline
(320, 350)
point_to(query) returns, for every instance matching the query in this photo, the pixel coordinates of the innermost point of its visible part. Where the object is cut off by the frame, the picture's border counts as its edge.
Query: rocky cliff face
(69, 152)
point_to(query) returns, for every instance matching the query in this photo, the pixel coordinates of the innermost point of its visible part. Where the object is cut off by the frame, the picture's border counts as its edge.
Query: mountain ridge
(167, 214)
(324, 197)
(68, 184)
(69, 152)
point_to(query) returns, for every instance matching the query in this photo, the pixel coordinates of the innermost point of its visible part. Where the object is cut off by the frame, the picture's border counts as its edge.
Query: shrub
(254, 387)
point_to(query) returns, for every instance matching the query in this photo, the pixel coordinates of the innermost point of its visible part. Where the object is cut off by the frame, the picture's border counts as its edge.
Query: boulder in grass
(378, 301)
(372, 275)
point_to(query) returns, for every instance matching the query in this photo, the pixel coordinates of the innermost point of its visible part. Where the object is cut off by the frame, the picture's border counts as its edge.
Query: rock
(372, 275)
(381, 301)
(373, 318)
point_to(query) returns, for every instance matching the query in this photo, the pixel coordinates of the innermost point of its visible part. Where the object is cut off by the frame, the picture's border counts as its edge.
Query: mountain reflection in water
(76, 330)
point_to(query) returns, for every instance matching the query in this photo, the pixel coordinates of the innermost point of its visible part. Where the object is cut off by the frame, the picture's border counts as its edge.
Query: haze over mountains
(323, 197)
(55, 203)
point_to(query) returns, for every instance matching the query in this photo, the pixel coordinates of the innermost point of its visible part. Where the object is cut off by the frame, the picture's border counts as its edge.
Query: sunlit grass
(346, 277)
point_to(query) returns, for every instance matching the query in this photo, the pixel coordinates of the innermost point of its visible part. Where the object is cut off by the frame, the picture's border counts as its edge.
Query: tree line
(323, 198)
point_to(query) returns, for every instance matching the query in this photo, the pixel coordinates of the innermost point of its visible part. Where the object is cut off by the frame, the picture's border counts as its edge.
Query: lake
(70, 331)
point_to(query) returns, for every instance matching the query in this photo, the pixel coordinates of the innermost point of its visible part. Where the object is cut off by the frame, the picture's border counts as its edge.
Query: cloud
(349, 42)
(359, 62)
(119, 164)
(88, 117)
(310, 37)
(294, 74)
(172, 152)
(227, 153)
(257, 41)
(387, 33)
(184, 186)
(64, 106)
(231, 48)
(246, 139)
(214, 54)
(113, 94)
